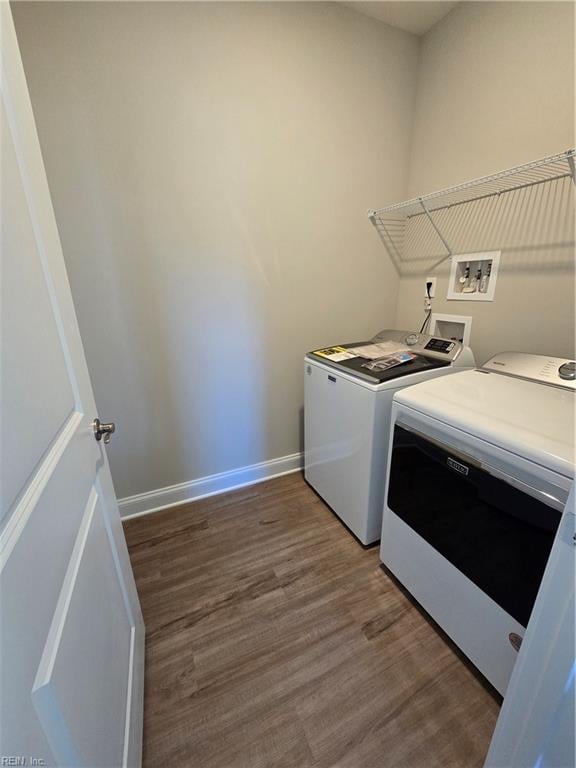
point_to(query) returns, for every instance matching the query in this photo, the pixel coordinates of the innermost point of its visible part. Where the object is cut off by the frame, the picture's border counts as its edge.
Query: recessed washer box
(456, 327)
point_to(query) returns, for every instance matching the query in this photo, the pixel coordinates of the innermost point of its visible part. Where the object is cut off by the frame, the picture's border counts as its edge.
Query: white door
(536, 723)
(71, 631)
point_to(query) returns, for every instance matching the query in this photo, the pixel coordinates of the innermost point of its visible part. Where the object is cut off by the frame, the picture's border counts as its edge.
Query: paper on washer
(336, 354)
(381, 349)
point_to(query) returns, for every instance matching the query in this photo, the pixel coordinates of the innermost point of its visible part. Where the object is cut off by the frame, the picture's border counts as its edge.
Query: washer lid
(530, 419)
(353, 367)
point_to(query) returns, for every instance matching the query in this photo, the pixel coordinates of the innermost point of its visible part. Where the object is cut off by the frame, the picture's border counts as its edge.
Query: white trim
(44, 692)
(211, 485)
(129, 693)
(19, 516)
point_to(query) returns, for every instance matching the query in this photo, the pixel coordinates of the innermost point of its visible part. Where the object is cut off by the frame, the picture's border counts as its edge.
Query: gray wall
(495, 89)
(211, 166)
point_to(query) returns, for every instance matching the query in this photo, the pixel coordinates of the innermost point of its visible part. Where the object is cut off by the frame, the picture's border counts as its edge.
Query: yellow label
(330, 351)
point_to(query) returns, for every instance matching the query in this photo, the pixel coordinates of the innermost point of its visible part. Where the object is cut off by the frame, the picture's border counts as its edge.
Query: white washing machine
(347, 418)
(480, 466)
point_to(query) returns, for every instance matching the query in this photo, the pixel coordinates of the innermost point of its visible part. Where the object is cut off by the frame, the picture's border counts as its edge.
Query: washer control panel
(434, 347)
(440, 345)
(547, 370)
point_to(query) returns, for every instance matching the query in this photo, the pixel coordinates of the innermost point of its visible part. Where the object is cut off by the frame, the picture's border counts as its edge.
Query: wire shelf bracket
(401, 231)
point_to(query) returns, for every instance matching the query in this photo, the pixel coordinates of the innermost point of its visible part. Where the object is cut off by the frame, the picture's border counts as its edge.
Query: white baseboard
(153, 501)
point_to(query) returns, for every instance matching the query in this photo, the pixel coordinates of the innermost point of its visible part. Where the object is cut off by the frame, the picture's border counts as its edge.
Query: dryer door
(495, 529)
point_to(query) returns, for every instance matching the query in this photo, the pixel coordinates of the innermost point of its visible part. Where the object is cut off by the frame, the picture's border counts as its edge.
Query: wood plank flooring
(275, 640)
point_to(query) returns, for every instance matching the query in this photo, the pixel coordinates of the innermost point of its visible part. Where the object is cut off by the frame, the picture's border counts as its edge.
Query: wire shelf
(526, 209)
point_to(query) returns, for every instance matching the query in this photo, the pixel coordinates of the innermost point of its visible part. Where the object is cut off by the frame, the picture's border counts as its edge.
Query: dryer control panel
(557, 371)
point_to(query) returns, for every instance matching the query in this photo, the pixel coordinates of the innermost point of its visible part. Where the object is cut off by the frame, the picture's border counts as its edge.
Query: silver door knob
(103, 430)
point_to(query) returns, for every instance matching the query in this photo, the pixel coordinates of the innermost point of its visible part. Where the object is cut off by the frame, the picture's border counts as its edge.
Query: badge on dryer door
(457, 467)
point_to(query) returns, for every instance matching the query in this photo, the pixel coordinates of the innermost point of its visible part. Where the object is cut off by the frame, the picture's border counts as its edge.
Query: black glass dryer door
(497, 535)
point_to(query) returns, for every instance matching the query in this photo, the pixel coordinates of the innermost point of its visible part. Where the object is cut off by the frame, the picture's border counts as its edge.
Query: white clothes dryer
(480, 466)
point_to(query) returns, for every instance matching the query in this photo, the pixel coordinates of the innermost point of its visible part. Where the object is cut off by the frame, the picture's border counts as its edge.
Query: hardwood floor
(274, 639)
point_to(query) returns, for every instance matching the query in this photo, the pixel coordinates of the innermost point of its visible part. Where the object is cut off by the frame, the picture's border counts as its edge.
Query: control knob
(567, 371)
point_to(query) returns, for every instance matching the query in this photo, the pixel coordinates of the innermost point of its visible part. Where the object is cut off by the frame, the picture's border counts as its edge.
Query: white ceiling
(412, 16)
